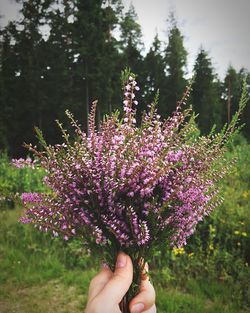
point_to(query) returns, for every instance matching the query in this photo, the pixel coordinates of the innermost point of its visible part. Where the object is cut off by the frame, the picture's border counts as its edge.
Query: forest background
(63, 55)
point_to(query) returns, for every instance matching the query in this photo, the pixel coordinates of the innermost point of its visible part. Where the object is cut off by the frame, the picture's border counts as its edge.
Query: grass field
(39, 274)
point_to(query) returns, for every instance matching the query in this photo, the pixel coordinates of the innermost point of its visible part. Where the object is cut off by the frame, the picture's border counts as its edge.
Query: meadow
(211, 274)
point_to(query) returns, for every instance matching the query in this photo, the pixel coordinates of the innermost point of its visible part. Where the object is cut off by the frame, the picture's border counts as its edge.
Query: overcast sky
(222, 27)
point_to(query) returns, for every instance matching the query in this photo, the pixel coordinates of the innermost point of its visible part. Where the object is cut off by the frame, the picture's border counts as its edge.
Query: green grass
(40, 274)
(195, 297)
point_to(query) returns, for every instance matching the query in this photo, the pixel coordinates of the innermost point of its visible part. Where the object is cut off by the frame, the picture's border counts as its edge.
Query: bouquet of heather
(128, 187)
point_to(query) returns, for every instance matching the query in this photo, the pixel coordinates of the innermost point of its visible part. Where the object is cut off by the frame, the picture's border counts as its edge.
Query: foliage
(57, 69)
(175, 57)
(14, 181)
(231, 89)
(65, 54)
(155, 79)
(205, 94)
(210, 275)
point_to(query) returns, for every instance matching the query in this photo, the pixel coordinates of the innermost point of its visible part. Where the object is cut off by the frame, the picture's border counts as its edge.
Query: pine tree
(245, 74)
(23, 68)
(5, 78)
(154, 77)
(231, 94)
(131, 47)
(205, 94)
(97, 54)
(60, 60)
(175, 63)
(131, 41)
(11, 93)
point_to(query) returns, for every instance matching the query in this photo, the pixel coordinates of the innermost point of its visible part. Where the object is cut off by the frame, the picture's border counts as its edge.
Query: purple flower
(21, 163)
(125, 186)
(31, 197)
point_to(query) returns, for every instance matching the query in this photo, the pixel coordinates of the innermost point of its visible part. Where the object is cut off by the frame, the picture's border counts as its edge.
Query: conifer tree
(131, 41)
(131, 47)
(24, 92)
(245, 74)
(205, 93)
(154, 77)
(175, 62)
(231, 93)
(97, 53)
(5, 77)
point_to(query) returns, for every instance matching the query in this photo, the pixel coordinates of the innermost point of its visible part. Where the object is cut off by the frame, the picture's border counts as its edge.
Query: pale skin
(107, 289)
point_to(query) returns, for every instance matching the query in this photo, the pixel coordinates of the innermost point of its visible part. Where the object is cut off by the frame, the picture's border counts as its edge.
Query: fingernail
(137, 308)
(121, 260)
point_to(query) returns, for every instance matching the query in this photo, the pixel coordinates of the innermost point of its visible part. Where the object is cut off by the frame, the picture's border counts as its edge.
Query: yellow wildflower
(212, 229)
(246, 194)
(177, 251)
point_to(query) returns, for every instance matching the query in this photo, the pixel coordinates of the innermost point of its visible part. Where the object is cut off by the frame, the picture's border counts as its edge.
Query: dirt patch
(53, 297)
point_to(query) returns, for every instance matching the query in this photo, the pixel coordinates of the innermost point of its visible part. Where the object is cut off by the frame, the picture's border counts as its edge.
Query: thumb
(121, 280)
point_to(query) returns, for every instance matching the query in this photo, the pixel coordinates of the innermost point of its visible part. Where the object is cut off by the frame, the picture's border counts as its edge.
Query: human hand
(107, 289)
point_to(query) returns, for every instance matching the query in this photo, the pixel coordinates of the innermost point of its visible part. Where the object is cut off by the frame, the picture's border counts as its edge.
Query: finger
(145, 299)
(99, 281)
(121, 280)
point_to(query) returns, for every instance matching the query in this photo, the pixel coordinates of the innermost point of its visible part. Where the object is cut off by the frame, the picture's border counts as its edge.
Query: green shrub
(14, 181)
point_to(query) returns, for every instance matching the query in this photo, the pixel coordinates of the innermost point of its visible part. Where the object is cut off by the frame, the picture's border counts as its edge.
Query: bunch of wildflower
(130, 188)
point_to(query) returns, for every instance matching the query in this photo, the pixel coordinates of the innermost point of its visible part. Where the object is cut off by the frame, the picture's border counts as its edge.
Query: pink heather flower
(55, 234)
(26, 220)
(22, 163)
(31, 197)
(129, 186)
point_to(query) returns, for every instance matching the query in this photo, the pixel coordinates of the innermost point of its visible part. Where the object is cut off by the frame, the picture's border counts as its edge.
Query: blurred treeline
(66, 53)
